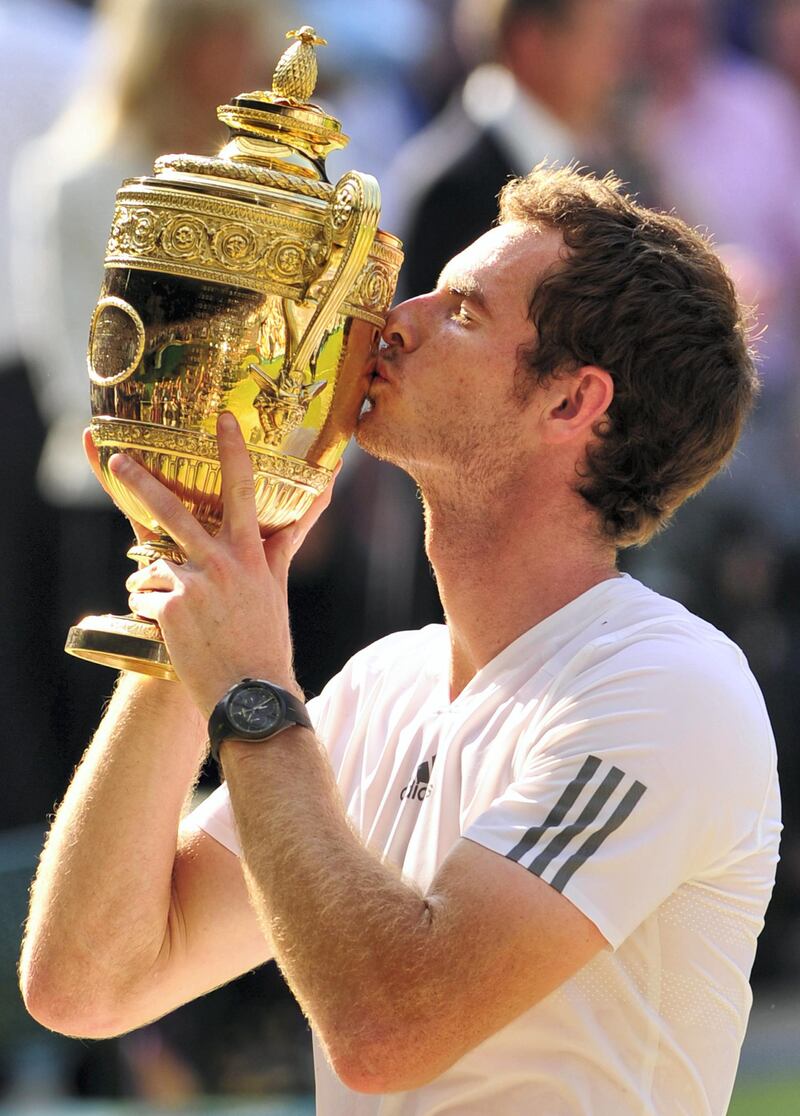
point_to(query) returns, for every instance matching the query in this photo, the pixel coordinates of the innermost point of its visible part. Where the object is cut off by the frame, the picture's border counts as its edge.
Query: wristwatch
(254, 710)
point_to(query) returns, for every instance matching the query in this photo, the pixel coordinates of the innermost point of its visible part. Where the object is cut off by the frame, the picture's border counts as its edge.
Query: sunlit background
(695, 103)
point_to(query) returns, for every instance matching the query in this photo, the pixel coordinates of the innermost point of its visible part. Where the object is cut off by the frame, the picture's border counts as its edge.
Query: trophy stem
(128, 642)
(145, 553)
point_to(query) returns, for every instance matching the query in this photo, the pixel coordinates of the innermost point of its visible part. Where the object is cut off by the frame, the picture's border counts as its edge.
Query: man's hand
(224, 613)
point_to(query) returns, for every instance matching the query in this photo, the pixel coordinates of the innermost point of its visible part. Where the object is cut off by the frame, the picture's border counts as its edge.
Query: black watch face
(255, 711)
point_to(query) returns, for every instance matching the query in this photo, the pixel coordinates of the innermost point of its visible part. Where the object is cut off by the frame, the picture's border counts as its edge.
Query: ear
(578, 401)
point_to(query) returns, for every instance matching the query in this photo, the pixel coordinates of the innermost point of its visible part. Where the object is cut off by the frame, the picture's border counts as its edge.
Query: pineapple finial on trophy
(296, 73)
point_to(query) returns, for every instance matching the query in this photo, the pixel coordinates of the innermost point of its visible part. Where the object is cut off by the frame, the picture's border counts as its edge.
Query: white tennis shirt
(620, 750)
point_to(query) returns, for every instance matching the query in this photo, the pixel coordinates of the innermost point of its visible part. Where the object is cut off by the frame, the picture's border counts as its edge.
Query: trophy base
(122, 642)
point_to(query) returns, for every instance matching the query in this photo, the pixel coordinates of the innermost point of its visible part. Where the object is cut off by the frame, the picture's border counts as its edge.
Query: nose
(402, 329)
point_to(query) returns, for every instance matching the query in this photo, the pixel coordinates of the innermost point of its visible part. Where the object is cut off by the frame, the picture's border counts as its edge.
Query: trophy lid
(261, 214)
(279, 129)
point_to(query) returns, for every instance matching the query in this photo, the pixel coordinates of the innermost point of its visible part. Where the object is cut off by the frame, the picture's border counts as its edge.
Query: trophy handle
(352, 220)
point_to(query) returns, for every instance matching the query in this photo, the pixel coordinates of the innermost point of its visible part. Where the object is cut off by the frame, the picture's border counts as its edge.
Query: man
(538, 885)
(546, 94)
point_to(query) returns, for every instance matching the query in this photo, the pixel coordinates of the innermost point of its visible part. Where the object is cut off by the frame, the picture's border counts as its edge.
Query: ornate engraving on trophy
(206, 237)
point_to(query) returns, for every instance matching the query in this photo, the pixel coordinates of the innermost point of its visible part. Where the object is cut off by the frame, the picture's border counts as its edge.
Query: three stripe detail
(583, 825)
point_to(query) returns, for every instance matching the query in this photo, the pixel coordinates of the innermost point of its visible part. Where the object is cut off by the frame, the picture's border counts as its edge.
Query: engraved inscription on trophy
(116, 341)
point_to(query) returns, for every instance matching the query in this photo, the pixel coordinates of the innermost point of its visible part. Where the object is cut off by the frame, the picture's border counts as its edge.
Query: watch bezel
(242, 733)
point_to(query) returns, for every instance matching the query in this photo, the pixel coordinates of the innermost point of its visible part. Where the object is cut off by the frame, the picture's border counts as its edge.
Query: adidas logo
(420, 786)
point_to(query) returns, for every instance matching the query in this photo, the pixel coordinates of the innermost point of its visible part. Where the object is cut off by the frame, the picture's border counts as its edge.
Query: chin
(370, 437)
(374, 438)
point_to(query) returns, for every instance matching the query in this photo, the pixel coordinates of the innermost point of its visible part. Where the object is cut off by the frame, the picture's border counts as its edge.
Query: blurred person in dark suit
(545, 96)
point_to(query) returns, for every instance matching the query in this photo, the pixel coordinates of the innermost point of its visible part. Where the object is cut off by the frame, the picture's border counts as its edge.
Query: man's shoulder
(664, 695)
(633, 612)
(645, 629)
(656, 656)
(640, 647)
(411, 648)
(397, 656)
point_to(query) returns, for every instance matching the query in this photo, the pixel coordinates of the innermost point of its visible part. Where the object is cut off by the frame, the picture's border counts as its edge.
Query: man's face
(573, 62)
(589, 47)
(443, 396)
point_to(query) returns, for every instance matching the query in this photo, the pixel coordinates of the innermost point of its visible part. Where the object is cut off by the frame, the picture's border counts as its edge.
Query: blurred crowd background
(694, 103)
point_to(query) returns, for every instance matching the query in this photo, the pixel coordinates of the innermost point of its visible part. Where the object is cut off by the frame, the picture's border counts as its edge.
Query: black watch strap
(292, 711)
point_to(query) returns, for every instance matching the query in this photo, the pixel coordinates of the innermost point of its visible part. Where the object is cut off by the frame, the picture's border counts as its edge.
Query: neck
(503, 567)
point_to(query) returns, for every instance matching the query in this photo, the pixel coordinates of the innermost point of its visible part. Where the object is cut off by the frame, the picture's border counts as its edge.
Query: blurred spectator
(371, 76)
(157, 71)
(41, 47)
(558, 62)
(781, 37)
(721, 136)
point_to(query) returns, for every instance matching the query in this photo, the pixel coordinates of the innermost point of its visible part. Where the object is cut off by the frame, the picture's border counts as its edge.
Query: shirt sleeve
(648, 771)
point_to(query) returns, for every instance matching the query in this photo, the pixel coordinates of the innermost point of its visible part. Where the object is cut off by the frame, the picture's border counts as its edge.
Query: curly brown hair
(643, 296)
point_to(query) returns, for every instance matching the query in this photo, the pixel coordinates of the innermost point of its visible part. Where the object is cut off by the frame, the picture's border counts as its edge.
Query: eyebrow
(467, 287)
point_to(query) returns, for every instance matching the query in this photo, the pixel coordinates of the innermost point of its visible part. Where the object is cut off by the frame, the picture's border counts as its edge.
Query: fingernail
(119, 463)
(227, 422)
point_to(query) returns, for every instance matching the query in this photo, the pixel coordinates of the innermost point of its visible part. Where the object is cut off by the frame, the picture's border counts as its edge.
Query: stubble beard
(451, 462)
(385, 444)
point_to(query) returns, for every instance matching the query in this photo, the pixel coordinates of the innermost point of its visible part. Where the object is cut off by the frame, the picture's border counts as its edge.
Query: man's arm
(128, 920)
(398, 984)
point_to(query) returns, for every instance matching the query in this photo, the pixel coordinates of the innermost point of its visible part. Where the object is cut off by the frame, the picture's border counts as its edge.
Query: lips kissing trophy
(244, 282)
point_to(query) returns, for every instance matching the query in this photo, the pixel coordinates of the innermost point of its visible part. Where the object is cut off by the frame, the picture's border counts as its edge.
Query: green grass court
(775, 1098)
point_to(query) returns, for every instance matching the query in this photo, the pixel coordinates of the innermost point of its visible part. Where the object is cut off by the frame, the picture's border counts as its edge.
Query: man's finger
(160, 575)
(238, 488)
(148, 605)
(307, 521)
(92, 456)
(286, 542)
(164, 506)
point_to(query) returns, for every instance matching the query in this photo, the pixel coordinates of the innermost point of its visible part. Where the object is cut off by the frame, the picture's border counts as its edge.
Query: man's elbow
(72, 1010)
(385, 1075)
(74, 1020)
(395, 1062)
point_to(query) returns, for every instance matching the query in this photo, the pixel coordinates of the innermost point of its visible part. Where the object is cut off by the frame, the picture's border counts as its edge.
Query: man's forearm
(352, 938)
(101, 897)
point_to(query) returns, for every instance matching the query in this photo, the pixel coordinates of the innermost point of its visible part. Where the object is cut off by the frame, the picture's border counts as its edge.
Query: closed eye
(461, 315)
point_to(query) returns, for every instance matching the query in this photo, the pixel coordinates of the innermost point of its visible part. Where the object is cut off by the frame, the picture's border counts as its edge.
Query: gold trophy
(244, 282)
